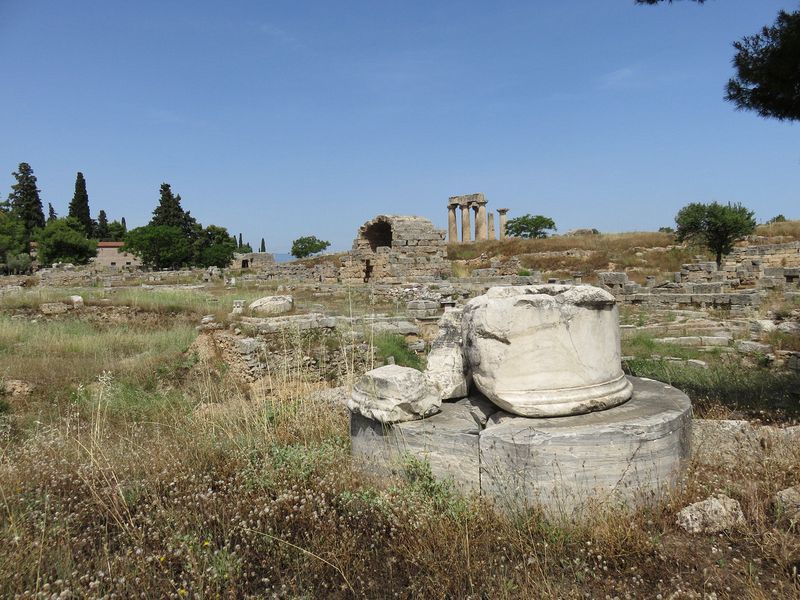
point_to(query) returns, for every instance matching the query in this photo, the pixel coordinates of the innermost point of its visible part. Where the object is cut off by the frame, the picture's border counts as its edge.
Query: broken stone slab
(272, 305)
(447, 372)
(392, 394)
(447, 368)
(626, 454)
(77, 301)
(546, 350)
(786, 506)
(447, 441)
(394, 327)
(747, 347)
(479, 406)
(53, 308)
(713, 515)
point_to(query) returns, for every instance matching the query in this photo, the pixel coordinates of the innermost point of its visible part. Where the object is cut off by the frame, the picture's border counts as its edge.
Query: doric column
(492, 235)
(474, 208)
(465, 224)
(503, 220)
(480, 222)
(452, 225)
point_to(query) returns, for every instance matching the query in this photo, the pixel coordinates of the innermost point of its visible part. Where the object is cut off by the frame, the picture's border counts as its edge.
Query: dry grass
(788, 229)
(640, 253)
(611, 243)
(189, 486)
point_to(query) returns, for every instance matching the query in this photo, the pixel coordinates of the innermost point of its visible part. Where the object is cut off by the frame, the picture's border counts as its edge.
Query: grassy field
(132, 470)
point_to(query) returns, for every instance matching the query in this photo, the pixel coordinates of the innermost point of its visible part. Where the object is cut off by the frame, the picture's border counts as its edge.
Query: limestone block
(447, 372)
(715, 514)
(77, 301)
(53, 308)
(392, 394)
(748, 347)
(628, 453)
(422, 309)
(546, 350)
(715, 441)
(272, 305)
(786, 505)
(447, 441)
(447, 368)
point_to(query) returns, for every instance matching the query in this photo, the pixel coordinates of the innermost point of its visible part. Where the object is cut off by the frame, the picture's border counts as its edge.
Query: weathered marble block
(626, 454)
(546, 350)
(392, 394)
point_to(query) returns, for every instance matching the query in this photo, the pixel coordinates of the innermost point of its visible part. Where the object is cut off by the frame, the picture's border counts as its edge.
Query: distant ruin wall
(396, 249)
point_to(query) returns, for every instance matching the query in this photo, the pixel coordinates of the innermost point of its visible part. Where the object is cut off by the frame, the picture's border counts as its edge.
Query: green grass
(643, 346)
(751, 391)
(387, 345)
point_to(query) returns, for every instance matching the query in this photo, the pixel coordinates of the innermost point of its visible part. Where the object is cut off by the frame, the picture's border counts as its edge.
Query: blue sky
(286, 118)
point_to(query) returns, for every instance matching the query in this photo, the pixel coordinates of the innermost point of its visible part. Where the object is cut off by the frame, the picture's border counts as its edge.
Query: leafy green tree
(63, 240)
(530, 226)
(777, 219)
(25, 203)
(263, 247)
(216, 247)
(767, 67)
(715, 226)
(308, 245)
(101, 230)
(116, 231)
(159, 246)
(51, 213)
(768, 70)
(12, 236)
(79, 206)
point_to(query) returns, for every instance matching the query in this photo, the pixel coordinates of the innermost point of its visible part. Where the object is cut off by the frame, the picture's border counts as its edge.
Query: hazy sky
(286, 118)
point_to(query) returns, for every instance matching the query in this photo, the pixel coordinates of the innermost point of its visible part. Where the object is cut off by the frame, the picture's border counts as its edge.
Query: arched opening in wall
(378, 235)
(245, 263)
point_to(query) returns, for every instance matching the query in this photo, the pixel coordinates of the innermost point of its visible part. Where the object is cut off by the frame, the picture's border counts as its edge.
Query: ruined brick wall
(396, 249)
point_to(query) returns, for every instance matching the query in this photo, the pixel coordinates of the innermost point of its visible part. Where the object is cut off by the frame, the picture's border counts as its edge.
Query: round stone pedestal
(628, 454)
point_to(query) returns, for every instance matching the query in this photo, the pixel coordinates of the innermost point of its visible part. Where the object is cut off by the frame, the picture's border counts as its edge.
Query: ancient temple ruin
(396, 249)
(484, 222)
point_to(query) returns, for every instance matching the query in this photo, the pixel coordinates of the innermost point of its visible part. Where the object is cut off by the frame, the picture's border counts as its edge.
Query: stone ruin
(396, 249)
(738, 285)
(524, 401)
(484, 223)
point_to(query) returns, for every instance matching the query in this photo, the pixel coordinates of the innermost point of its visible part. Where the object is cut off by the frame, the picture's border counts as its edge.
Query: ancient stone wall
(396, 249)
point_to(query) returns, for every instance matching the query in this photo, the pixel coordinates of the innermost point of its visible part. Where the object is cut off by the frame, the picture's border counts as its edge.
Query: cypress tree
(169, 211)
(51, 213)
(79, 205)
(101, 232)
(240, 241)
(25, 203)
(124, 225)
(263, 247)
